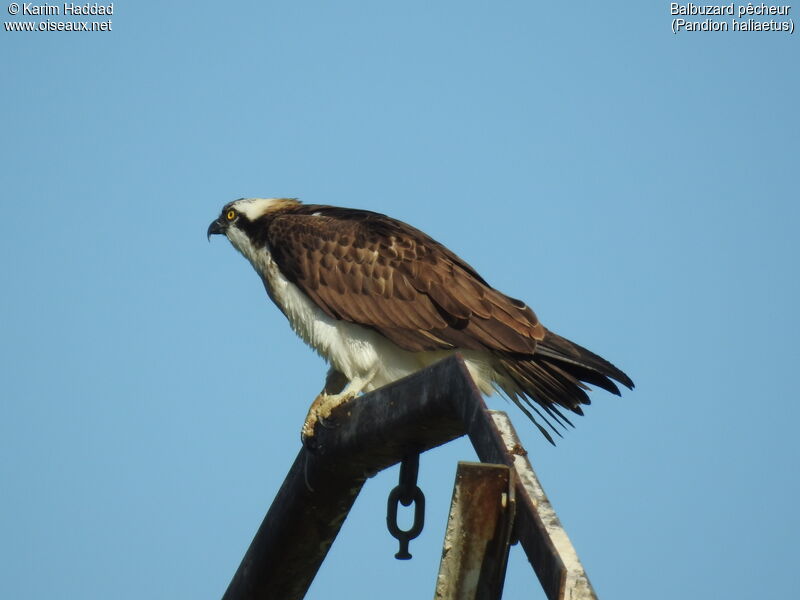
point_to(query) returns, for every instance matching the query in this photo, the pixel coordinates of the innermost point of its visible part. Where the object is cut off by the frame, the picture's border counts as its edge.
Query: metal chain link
(406, 493)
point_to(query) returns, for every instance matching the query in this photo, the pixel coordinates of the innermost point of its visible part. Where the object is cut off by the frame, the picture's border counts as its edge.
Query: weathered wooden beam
(370, 433)
(476, 541)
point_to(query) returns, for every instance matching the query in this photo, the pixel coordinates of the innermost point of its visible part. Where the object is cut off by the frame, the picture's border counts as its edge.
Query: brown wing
(369, 269)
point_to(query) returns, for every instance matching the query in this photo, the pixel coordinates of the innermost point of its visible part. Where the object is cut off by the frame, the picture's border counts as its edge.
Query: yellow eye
(231, 215)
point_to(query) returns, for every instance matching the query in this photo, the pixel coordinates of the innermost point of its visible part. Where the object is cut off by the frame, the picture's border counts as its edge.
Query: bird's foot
(320, 413)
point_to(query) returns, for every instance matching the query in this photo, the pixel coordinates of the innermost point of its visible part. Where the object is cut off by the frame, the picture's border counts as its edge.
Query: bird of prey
(379, 299)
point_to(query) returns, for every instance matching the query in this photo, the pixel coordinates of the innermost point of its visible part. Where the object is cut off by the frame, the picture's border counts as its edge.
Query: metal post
(476, 542)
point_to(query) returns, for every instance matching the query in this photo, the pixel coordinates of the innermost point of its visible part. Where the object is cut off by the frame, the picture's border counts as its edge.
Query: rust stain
(518, 450)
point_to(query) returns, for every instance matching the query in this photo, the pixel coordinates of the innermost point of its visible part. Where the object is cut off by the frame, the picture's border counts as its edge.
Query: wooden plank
(296, 533)
(370, 433)
(476, 542)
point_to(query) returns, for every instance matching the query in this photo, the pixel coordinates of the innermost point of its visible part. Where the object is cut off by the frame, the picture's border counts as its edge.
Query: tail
(556, 377)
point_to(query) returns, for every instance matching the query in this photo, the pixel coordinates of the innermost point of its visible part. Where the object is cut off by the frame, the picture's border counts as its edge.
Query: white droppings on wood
(576, 584)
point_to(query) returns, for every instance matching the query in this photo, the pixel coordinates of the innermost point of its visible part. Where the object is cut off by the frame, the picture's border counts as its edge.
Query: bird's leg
(335, 381)
(337, 391)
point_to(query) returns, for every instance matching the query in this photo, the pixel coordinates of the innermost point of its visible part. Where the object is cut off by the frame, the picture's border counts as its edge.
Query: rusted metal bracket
(476, 542)
(373, 432)
(536, 524)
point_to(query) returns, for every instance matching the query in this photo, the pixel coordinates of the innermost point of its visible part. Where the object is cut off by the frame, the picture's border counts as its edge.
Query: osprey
(379, 299)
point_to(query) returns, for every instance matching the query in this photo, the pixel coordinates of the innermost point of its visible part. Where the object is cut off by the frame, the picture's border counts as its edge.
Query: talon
(326, 423)
(307, 431)
(319, 413)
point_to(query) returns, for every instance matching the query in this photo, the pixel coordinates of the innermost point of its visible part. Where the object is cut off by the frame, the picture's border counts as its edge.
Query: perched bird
(379, 299)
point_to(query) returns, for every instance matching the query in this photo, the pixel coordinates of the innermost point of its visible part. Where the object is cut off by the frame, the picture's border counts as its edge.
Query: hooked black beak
(216, 227)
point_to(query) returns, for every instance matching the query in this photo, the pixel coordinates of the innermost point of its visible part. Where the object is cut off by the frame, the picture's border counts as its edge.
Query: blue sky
(637, 188)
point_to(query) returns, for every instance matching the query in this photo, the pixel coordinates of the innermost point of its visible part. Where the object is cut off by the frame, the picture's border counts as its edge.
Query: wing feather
(372, 270)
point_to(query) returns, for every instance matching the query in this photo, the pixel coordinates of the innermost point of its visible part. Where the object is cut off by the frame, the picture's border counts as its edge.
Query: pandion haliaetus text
(379, 299)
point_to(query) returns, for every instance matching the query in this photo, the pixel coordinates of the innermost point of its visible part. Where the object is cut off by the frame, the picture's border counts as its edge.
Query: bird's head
(240, 219)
